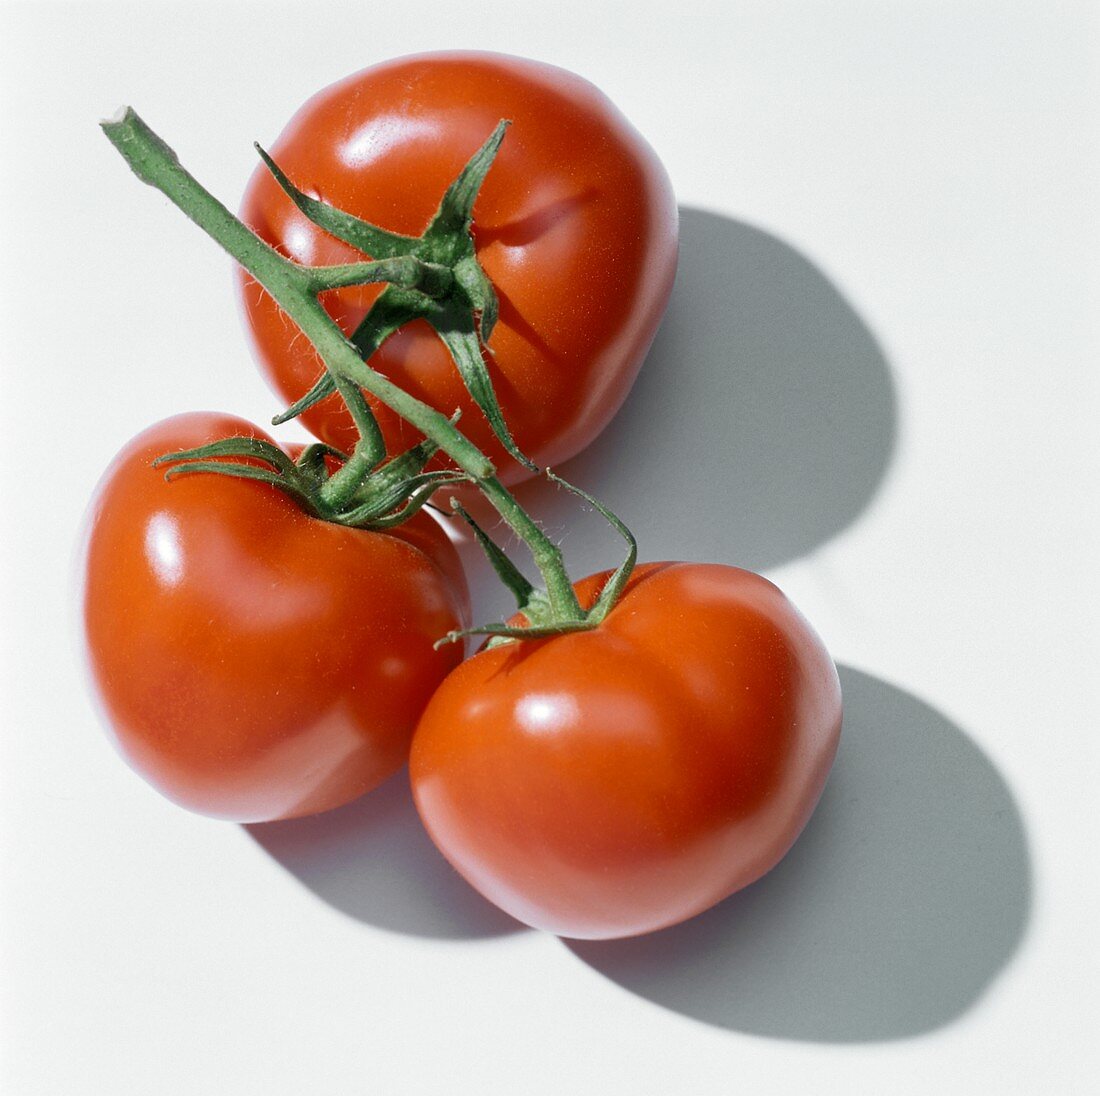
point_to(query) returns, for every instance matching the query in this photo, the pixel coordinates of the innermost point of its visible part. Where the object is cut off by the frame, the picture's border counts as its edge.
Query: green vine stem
(533, 603)
(295, 289)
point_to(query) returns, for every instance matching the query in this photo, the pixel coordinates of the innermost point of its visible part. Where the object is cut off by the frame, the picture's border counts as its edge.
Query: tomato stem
(443, 283)
(294, 288)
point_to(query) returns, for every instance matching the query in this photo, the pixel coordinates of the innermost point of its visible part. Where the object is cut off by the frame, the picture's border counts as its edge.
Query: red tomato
(608, 783)
(576, 226)
(254, 662)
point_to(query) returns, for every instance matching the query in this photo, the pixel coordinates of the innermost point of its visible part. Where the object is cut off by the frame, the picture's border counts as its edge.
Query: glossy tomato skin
(610, 783)
(576, 226)
(253, 662)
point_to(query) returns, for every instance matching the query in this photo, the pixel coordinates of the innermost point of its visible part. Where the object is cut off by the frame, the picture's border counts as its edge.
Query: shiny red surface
(613, 782)
(576, 226)
(253, 662)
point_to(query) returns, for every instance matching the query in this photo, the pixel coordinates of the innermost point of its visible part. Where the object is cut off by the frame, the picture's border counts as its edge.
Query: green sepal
(285, 474)
(615, 585)
(325, 386)
(381, 509)
(390, 484)
(370, 239)
(417, 499)
(407, 464)
(364, 477)
(240, 446)
(482, 296)
(452, 222)
(456, 328)
(456, 210)
(312, 463)
(240, 471)
(507, 631)
(522, 589)
(392, 309)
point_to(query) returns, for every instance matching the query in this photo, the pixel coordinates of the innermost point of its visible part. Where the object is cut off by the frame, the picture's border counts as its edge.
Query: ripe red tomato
(252, 661)
(608, 783)
(575, 225)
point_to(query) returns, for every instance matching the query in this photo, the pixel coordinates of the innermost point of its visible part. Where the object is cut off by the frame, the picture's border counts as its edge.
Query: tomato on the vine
(575, 226)
(254, 662)
(611, 782)
(626, 753)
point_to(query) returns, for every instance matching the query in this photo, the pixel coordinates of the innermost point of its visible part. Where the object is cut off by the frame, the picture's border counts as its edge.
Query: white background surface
(885, 348)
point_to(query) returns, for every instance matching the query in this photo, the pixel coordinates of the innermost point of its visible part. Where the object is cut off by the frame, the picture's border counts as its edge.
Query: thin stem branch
(156, 164)
(292, 288)
(546, 554)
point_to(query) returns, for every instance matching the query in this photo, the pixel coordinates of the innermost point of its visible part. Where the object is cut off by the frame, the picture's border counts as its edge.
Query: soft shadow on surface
(761, 424)
(373, 861)
(905, 896)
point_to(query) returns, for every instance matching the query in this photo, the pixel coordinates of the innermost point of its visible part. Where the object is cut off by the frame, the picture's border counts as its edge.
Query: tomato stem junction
(295, 288)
